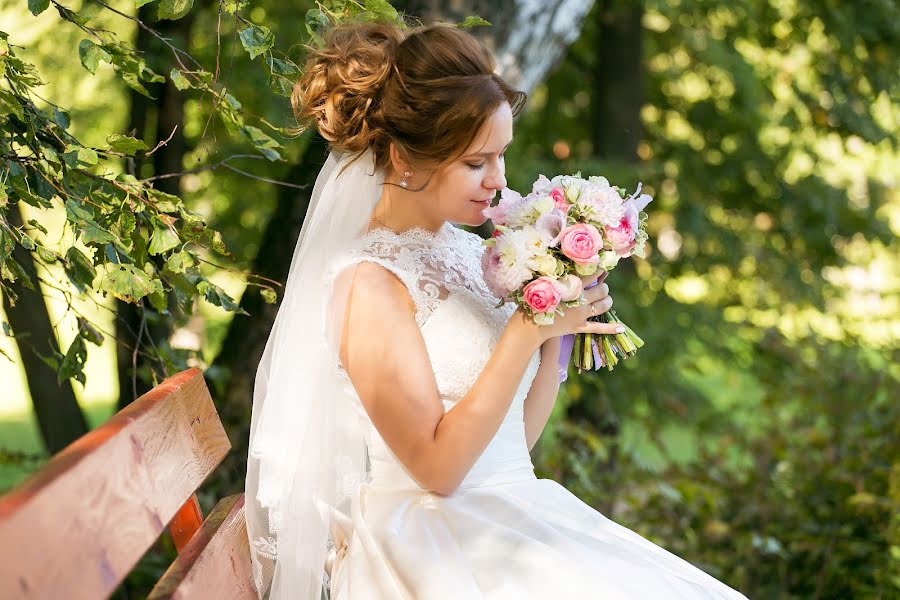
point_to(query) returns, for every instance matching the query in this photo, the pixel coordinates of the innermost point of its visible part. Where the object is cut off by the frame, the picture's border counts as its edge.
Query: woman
(396, 403)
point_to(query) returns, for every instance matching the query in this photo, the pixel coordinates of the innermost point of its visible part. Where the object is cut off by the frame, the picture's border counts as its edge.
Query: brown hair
(428, 90)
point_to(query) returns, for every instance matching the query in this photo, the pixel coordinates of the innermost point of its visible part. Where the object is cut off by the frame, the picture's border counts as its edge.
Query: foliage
(754, 432)
(124, 237)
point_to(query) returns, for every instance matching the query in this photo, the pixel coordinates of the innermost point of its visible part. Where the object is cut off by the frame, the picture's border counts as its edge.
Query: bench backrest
(77, 526)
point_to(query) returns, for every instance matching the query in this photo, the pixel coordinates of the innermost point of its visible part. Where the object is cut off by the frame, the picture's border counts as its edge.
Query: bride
(396, 404)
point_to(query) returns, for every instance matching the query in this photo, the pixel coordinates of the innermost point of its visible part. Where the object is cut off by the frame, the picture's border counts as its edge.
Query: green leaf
(282, 67)
(79, 156)
(61, 117)
(7, 245)
(232, 6)
(91, 54)
(129, 283)
(140, 3)
(76, 211)
(474, 21)
(71, 16)
(38, 6)
(34, 223)
(79, 269)
(47, 255)
(256, 39)
(179, 80)
(179, 262)
(163, 239)
(381, 9)
(27, 242)
(10, 105)
(89, 332)
(316, 22)
(268, 295)
(281, 85)
(125, 144)
(174, 9)
(263, 142)
(233, 102)
(72, 365)
(217, 296)
(165, 203)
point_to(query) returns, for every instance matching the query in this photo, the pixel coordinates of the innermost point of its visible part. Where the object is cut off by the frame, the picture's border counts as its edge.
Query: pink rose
(543, 294)
(582, 243)
(559, 198)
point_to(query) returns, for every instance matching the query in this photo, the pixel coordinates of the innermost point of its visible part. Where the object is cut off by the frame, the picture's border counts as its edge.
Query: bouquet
(567, 228)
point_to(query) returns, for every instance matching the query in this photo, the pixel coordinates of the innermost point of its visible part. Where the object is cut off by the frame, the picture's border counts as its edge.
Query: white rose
(608, 260)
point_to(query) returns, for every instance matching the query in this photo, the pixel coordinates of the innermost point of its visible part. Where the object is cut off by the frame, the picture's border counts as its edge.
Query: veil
(307, 451)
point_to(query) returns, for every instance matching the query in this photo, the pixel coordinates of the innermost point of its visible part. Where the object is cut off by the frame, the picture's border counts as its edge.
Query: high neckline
(415, 232)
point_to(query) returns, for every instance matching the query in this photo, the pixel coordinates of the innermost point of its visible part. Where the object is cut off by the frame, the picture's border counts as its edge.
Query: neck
(400, 209)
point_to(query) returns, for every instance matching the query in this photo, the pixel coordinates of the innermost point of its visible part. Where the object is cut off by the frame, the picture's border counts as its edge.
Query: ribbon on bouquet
(567, 343)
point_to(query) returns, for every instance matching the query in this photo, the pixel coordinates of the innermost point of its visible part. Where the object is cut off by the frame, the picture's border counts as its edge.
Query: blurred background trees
(756, 432)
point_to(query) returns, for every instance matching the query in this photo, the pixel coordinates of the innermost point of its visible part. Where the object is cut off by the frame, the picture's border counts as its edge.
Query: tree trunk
(151, 121)
(58, 415)
(618, 93)
(528, 37)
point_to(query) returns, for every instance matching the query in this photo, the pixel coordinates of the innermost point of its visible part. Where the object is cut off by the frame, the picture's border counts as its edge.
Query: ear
(398, 163)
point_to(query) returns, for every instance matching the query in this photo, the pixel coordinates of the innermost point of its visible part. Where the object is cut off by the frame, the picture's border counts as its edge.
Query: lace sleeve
(418, 258)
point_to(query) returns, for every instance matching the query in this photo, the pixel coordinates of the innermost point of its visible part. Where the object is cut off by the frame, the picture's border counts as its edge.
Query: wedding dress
(503, 534)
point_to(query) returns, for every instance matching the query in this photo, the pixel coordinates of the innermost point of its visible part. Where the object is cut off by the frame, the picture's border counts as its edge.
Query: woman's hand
(575, 318)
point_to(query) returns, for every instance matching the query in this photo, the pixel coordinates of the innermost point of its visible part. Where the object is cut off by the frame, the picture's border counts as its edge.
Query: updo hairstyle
(428, 90)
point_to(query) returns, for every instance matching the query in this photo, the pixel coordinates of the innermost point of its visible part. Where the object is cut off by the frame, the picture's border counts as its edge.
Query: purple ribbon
(567, 343)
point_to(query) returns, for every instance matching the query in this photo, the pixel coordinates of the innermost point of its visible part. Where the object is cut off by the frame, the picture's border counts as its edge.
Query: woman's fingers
(601, 290)
(590, 279)
(601, 306)
(594, 327)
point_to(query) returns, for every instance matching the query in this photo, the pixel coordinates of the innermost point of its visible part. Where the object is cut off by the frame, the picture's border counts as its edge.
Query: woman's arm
(542, 395)
(387, 361)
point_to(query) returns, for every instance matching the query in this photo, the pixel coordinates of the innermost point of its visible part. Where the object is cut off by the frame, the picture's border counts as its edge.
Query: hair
(428, 90)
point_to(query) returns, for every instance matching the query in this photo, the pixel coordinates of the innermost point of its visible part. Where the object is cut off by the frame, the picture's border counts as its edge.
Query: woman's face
(465, 187)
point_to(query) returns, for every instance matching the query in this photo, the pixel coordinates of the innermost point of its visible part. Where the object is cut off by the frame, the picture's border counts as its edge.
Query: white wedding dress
(504, 534)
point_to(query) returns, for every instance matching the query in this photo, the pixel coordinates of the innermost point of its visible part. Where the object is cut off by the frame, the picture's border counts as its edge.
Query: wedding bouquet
(567, 228)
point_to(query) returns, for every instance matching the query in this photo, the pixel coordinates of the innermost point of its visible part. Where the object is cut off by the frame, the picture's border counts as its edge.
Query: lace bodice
(460, 322)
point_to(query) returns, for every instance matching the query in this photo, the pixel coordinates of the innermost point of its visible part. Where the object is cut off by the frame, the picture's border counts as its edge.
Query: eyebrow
(505, 148)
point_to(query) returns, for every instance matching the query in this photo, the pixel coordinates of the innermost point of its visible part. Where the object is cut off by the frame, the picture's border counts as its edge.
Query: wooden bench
(79, 525)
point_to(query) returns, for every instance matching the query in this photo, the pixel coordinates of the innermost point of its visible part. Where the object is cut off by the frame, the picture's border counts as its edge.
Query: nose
(496, 180)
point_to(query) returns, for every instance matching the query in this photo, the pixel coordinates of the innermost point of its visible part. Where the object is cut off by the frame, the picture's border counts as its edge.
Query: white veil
(307, 452)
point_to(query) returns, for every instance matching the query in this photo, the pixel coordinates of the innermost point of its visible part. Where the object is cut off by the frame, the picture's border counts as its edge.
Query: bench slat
(216, 562)
(78, 526)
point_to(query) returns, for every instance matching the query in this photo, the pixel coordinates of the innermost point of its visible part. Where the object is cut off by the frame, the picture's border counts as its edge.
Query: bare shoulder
(375, 305)
(378, 289)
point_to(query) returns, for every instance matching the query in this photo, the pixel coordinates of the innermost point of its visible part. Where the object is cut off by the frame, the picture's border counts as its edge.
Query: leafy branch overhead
(122, 236)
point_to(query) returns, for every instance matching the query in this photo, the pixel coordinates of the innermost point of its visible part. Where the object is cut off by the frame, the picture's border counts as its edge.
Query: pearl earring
(403, 182)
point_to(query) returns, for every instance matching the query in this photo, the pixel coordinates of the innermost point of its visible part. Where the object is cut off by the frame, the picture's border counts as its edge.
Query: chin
(472, 221)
